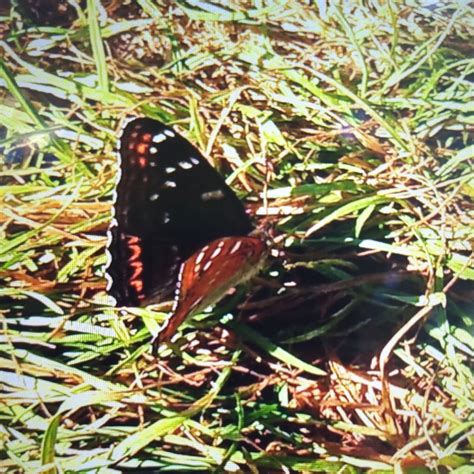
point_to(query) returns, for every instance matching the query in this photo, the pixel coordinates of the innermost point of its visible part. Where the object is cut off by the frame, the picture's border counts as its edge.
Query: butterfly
(177, 228)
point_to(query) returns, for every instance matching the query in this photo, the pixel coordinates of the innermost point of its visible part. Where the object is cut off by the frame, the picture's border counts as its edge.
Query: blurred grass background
(345, 128)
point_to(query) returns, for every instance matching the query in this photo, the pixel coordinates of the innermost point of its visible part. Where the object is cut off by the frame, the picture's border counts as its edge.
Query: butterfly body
(172, 208)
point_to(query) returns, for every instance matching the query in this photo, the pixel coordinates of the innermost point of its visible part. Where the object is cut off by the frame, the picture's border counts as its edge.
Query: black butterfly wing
(170, 202)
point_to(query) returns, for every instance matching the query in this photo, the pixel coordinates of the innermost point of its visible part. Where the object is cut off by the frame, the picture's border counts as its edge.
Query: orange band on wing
(134, 261)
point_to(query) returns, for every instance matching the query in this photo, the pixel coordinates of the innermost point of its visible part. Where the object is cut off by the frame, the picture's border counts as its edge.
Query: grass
(344, 127)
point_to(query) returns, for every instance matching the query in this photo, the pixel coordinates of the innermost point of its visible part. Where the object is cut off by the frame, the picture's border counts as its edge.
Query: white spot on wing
(170, 169)
(159, 137)
(216, 252)
(154, 197)
(153, 149)
(166, 217)
(170, 133)
(169, 184)
(236, 247)
(200, 257)
(207, 266)
(217, 194)
(194, 161)
(185, 165)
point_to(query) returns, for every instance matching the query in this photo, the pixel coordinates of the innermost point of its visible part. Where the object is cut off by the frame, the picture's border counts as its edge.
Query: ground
(344, 129)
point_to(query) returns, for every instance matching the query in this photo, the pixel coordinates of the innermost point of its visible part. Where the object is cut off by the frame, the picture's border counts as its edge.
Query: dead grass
(345, 129)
